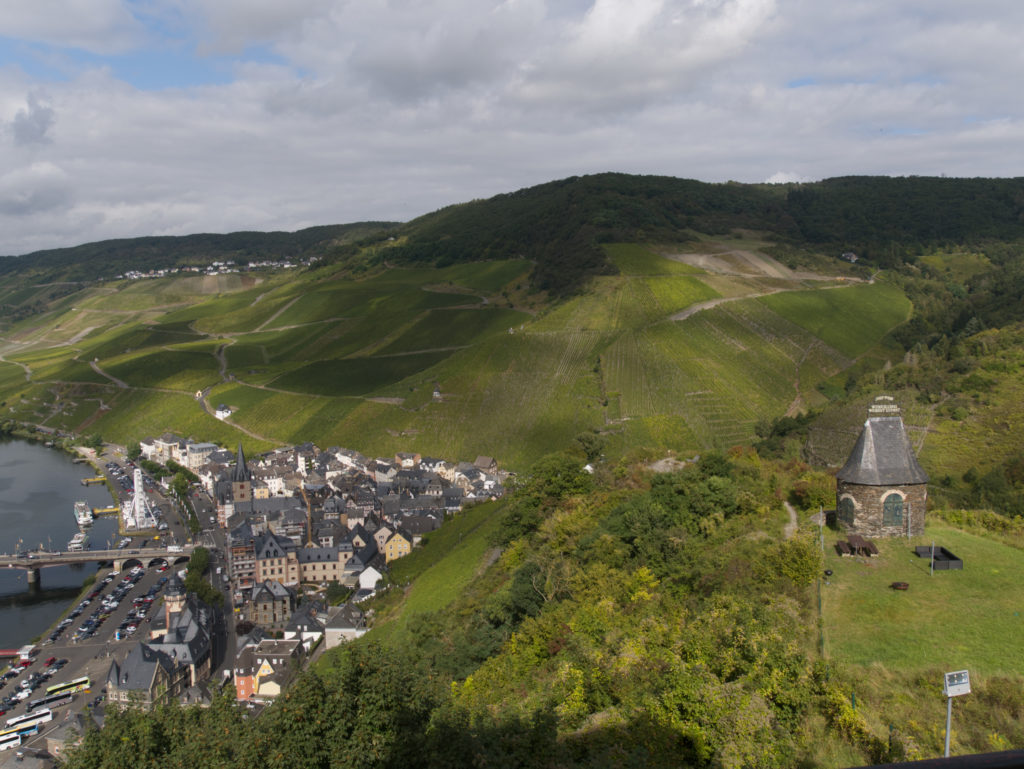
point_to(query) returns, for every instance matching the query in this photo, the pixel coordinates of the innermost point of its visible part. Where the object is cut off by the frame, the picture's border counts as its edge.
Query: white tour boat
(83, 513)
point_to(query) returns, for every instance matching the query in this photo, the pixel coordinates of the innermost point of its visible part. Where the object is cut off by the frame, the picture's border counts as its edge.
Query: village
(291, 528)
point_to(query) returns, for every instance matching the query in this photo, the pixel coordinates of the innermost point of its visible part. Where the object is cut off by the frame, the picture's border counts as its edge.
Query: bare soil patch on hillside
(743, 263)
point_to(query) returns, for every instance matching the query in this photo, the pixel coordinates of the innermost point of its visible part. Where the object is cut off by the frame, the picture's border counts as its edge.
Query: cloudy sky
(121, 118)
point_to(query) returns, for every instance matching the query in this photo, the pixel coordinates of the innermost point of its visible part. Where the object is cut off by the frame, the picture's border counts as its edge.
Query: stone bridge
(35, 560)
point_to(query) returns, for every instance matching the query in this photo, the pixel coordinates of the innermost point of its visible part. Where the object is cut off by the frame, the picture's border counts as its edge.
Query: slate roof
(317, 554)
(307, 618)
(138, 670)
(271, 590)
(348, 617)
(882, 456)
(272, 546)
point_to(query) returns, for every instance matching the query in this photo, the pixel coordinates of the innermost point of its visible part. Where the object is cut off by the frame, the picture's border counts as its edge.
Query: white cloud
(31, 124)
(387, 109)
(98, 26)
(39, 187)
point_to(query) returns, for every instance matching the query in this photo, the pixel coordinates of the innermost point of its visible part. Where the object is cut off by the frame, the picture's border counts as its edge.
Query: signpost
(954, 685)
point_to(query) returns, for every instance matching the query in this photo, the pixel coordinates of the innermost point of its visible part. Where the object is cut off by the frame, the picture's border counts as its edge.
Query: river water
(38, 490)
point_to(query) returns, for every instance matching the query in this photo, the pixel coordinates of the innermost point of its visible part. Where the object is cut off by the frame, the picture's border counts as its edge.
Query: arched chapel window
(892, 510)
(846, 511)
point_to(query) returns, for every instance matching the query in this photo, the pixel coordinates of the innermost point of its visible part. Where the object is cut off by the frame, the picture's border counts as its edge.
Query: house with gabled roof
(361, 558)
(381, 535)
(421, 524)
(276, 558)
(369, 578)
(407, 459)
(487, 464)
(399, 544)
(359, 536)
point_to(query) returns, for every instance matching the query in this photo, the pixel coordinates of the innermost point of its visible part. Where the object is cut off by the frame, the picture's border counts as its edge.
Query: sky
(124, 118)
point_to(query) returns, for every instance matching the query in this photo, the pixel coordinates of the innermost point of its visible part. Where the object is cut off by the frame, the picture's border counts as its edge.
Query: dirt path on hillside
(95, 367)
(790, 528)
(277, 314)
(25, 368)
(749, 264)
(693, 309)
(79, 336)
(744, 263)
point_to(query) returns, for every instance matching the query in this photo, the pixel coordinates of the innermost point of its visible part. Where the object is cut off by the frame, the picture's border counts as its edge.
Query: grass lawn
(971, 619)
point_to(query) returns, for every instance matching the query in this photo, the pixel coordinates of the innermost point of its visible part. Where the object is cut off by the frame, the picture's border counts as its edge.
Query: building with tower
(176, 658)
(241, 485)
(882, 491)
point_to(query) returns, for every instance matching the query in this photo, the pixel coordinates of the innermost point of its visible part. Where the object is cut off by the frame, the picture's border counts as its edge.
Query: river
(38, 490)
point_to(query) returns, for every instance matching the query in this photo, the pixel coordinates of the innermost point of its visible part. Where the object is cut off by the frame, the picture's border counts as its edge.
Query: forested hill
(107, 258)
(560, 226)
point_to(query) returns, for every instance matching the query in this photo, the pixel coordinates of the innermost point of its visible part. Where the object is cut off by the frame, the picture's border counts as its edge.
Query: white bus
(9, 741)
(29, 719)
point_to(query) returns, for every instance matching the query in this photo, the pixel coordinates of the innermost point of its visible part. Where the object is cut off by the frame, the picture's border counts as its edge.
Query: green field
(952, 620)
(454, 328)
(634, 259)
(852, 319)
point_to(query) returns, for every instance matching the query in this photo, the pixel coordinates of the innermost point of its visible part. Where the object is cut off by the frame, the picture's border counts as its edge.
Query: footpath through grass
(971, 619)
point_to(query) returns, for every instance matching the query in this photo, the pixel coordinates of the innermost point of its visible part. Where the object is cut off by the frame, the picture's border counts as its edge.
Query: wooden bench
(843, 548)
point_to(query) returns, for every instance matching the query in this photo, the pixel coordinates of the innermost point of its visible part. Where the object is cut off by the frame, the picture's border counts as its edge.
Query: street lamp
(954, 685)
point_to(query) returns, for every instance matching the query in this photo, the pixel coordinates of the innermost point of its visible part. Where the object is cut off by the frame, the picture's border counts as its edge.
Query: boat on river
(78, 542)
(83, 513)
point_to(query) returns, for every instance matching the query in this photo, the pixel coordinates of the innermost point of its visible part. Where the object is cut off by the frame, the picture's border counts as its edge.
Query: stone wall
(868, 509)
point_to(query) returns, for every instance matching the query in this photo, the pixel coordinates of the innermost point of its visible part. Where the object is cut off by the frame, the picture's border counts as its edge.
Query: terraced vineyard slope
(682, 350)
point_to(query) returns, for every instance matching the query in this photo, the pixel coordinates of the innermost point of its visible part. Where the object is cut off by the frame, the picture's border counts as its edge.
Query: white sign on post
(957, 683)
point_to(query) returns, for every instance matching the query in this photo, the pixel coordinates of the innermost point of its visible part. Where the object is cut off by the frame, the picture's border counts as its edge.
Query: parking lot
(110, 617)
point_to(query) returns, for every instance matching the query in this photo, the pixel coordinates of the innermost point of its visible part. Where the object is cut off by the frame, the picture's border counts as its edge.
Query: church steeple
(241, 483)
(242, 474)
